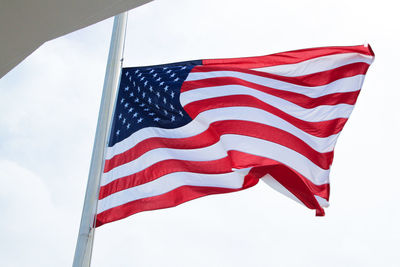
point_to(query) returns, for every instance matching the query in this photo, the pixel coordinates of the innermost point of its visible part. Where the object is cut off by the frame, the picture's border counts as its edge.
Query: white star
(169, 71)
(156, 119)
(117, 132)
(140, 74)
(144, 94)
(146, 109)
(127, 73)
(140, 120)
(131, 94)
(128, 125)
(142, 105)
(122, 100)
(130, 78)
(172, 94)
(151, 88)
(171, 106)
(141, 79)
(145, 83)
(136, 71)
(166, 88)
(157, 106)
(173, 118)
(126, 105)
(158, 94)
(151, 114)
(155, 75)
(138, 89)
(180, 113)
(130, 110)
(123, 122)
(149, 100)
(137, 100)
(127, 88)
(165, 100)
(165, 112)
(161, 83)
(172, 75)
(158, 79)
(184, 67)
(135, 115)
(120, 116)
(176, 79)
(151, 71)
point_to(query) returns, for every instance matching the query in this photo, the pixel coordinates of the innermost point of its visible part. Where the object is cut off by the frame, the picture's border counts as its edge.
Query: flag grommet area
(185, 130)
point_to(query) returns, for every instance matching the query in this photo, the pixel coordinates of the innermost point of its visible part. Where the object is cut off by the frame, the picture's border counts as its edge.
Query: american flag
(185, 130)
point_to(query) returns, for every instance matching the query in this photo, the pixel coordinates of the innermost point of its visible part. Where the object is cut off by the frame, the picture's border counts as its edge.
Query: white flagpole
(83, 251)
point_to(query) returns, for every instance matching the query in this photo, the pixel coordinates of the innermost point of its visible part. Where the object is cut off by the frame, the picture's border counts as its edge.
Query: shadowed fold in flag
(185, 130)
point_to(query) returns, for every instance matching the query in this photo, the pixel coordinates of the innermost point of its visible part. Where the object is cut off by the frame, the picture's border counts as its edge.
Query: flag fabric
(185, 130)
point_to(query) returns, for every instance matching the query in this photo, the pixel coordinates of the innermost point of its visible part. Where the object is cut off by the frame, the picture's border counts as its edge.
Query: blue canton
(149, 97)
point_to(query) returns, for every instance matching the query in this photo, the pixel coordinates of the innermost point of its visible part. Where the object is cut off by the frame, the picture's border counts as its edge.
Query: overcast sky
(48, 115)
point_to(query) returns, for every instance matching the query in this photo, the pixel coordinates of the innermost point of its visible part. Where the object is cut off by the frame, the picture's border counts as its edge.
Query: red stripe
(296, 98)
(162, 168)
(167, 200)
(310, 80)
(303, 189)
(319, 129)
(235, 159)
(289, 57)
(212, 135)
(246, 161)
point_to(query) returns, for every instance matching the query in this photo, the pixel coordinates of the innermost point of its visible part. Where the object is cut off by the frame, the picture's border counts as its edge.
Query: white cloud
(31, 224)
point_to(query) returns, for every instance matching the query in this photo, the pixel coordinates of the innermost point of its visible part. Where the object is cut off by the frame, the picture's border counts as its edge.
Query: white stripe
(348, 84)
(322, 201)
(169, 182)
(319, 113)
(219, 150)
(318, 64)
(269, 180)
(204, 119)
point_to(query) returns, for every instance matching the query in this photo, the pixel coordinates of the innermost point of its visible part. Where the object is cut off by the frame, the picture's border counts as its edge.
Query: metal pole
(83, 251)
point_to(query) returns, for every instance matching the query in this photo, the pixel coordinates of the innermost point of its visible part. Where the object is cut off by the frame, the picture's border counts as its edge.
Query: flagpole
(84, 245)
